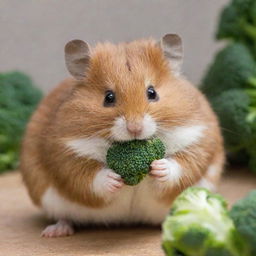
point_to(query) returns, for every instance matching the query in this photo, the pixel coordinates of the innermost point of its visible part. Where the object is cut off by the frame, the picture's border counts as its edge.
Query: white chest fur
(131, 205)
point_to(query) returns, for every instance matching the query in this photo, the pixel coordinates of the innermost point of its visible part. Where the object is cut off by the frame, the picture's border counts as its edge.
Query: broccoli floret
(229, 25)
(243, 214)
(18, 99)
(233, 67)
(230, 85)
(238, 22)
(132, 159)
(199, 225)
(232, 108)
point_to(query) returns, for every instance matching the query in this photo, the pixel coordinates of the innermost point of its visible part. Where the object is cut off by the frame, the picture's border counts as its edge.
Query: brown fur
(75, 110)
(196, 159)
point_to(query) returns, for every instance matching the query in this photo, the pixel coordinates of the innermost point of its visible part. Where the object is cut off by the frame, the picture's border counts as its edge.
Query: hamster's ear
(77, 57)
(171, 45)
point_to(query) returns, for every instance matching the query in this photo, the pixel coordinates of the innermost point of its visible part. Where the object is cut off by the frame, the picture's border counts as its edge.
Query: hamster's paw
(107, 181)
(61, 228)
(164, 170)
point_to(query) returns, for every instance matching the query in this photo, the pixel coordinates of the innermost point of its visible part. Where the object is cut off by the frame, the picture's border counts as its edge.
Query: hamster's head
(126, 91)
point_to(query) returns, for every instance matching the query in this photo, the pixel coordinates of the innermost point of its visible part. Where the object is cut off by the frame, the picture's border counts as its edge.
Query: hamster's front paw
(107, 181)
(165, 170)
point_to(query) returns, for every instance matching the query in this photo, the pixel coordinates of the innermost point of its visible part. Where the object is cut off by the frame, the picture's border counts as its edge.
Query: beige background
(34, 32)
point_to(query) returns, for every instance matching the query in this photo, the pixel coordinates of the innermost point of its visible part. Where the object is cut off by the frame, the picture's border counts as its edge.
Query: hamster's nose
(134, 128)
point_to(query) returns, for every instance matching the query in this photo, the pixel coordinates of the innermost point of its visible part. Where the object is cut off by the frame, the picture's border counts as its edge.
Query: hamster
(117, 93)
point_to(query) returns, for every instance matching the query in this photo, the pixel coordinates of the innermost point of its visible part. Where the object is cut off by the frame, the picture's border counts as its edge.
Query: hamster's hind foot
(61, 228)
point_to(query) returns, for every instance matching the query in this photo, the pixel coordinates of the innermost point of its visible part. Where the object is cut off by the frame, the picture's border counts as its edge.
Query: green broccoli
(132, 159)
(18, 99)
(230, 82)
(232, 108)
(230, 87)
(243, 214)
(229, 24)
(233, 67)
(238, 22)
(199, 225)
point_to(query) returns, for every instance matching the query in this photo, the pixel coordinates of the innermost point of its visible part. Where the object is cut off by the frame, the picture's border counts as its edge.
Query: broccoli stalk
(199, 225)
(132, 159)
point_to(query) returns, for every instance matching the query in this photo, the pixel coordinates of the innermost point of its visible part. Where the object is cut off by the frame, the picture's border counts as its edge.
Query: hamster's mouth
(125, 130)
(134, 138)
(131, 138)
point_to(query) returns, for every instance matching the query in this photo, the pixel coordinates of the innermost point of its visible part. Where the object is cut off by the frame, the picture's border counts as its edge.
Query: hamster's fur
(63, 153)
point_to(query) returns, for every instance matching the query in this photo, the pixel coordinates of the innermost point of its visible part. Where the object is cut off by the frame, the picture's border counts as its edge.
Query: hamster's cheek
(94, 148)
(178, 138)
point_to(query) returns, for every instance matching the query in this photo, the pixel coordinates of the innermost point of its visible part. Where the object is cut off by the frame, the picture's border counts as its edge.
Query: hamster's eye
(152, 94)
(110, 99)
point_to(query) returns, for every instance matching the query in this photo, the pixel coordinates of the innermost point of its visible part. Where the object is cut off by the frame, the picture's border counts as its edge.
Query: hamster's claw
(107, 181)
(160, 169)
(61, 228)
(114, 175)
(114, 182)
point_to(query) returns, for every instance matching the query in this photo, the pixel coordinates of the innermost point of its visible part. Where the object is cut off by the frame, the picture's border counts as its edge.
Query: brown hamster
(118, 93)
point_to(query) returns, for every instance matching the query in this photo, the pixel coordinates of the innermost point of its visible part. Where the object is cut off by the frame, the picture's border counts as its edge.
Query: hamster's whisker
(168, 121)
(230, 131)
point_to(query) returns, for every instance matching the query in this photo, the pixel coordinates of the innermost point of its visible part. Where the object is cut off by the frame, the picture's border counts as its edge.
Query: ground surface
(21, 224)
